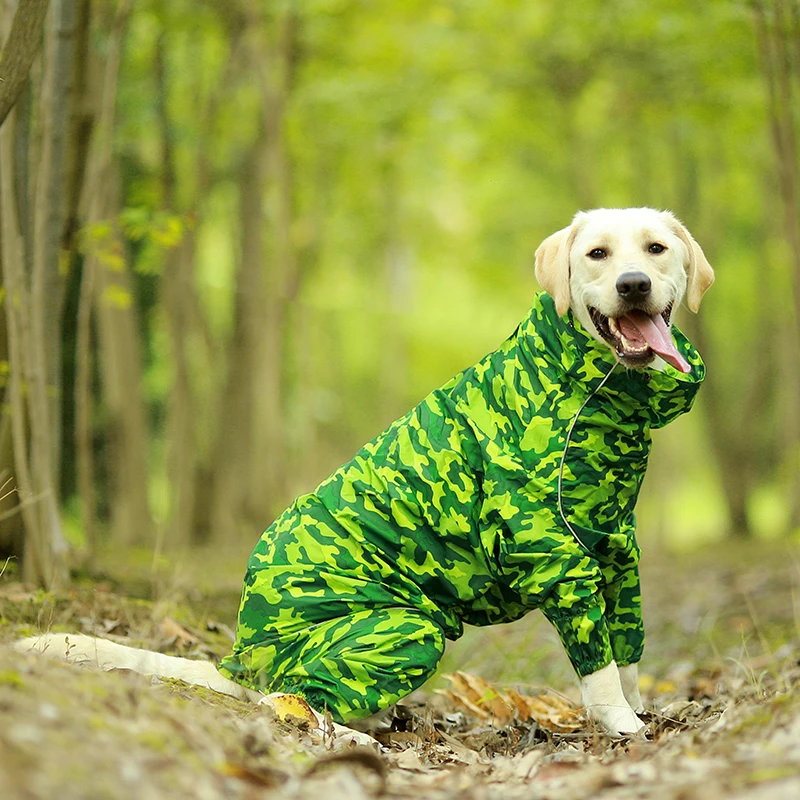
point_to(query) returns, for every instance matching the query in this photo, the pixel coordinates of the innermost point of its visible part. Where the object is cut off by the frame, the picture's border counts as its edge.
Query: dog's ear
(552, 266)
(699, 271)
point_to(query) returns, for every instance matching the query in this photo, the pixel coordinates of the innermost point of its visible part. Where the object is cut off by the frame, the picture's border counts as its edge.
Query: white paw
(629, 678)
(616, 721)
(606, 703)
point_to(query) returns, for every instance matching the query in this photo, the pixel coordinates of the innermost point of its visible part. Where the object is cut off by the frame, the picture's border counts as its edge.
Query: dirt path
(722, 682)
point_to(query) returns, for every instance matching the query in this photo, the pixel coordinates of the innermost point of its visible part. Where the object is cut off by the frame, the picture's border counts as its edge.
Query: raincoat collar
(660, 395)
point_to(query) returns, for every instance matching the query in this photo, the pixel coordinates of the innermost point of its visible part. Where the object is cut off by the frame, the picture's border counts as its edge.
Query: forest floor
(721, 678)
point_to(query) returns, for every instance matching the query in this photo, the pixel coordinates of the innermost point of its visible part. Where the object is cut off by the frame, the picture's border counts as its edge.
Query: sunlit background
(289, 221)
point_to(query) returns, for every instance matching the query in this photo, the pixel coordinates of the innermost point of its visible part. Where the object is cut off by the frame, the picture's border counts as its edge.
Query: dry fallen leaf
(401, 739)
(409, 760)
(557, 769)
(357, 757)
(292, 708)
(176, 633)
(257, 775)
(550, 711)
(664, 687)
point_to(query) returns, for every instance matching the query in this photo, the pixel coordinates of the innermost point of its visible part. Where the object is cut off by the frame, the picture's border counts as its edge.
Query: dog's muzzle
(636, 336)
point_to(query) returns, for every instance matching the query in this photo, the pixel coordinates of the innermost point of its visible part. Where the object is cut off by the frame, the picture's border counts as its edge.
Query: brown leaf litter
(723, 720)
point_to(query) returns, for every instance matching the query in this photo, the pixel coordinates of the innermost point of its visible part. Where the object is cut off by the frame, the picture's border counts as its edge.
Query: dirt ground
(720, 677)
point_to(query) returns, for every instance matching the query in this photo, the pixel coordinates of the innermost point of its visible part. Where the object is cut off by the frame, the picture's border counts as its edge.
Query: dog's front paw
(606, 703)
(629, 678)
(616, 721)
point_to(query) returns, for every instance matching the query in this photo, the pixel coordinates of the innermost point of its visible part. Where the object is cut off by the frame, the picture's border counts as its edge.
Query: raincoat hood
(660, 395)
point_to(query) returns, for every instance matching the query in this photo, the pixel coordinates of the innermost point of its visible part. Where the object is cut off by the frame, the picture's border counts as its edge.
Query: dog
(509, 488)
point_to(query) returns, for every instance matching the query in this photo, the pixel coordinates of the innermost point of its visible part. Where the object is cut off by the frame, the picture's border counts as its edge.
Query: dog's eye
(656, 248)
(598, 254)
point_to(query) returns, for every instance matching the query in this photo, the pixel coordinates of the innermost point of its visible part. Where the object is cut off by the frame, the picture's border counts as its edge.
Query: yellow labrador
(623, 272)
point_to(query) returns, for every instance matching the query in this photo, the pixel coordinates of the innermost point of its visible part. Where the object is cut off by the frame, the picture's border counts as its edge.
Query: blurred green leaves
(425, 149)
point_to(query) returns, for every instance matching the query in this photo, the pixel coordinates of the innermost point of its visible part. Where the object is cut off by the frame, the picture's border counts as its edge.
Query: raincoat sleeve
(577, 609)
(549, 570)
(621, 591)
(591, 598)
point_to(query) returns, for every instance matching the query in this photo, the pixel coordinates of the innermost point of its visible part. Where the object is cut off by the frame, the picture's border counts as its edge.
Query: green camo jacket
(454, 509)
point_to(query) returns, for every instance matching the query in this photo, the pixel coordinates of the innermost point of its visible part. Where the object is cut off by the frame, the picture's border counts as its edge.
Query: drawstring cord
(564, 456)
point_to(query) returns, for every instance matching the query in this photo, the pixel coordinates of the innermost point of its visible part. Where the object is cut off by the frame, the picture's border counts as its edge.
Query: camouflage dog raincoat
(511, 487)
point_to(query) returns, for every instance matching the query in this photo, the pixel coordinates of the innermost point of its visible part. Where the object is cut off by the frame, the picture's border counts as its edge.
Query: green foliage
(154, 232)
(428, 148)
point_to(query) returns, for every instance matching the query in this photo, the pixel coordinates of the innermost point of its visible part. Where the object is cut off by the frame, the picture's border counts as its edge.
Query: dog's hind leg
(81, 649)
(352, 666)
(107, 655)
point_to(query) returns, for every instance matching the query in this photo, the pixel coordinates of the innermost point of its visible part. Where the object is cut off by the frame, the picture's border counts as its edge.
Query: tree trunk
(234, 453)
(34, 291)
(45, 553)
(19, 50)
(774, 29)
(83, 409)
(777, 27)
(121, 361)
(119, 331)
(177, 297)
(192, 444)
(80, 123)
(47, 280)
(80, 126)
(12, 529)
(250, 462)
(182, 457)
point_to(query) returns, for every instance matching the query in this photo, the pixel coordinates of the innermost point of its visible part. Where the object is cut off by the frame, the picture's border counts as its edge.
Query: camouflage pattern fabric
(452, 516)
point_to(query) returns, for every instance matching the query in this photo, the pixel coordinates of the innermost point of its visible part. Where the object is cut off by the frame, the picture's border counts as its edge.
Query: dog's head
(623, 271)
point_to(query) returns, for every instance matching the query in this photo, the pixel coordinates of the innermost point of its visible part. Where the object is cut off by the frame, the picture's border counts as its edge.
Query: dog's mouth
(637, 337)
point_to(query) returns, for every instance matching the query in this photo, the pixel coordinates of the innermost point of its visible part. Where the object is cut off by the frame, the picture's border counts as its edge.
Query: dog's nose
(633, 286)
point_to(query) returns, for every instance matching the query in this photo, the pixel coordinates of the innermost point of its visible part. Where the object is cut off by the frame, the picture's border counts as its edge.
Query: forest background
(241, 237)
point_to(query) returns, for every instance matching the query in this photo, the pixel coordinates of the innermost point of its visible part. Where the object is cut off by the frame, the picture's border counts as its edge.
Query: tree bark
(45, 555)
(80, 132)
(19, 50)
(275, 61)
(777, 28)
(80, 124)
(47, 279)
(177, 294)
(83, 409)
(234, 454)
(120, 344)
(33, 282)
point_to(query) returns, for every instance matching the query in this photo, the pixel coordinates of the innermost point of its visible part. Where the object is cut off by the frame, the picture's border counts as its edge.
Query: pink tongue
(655, 332)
